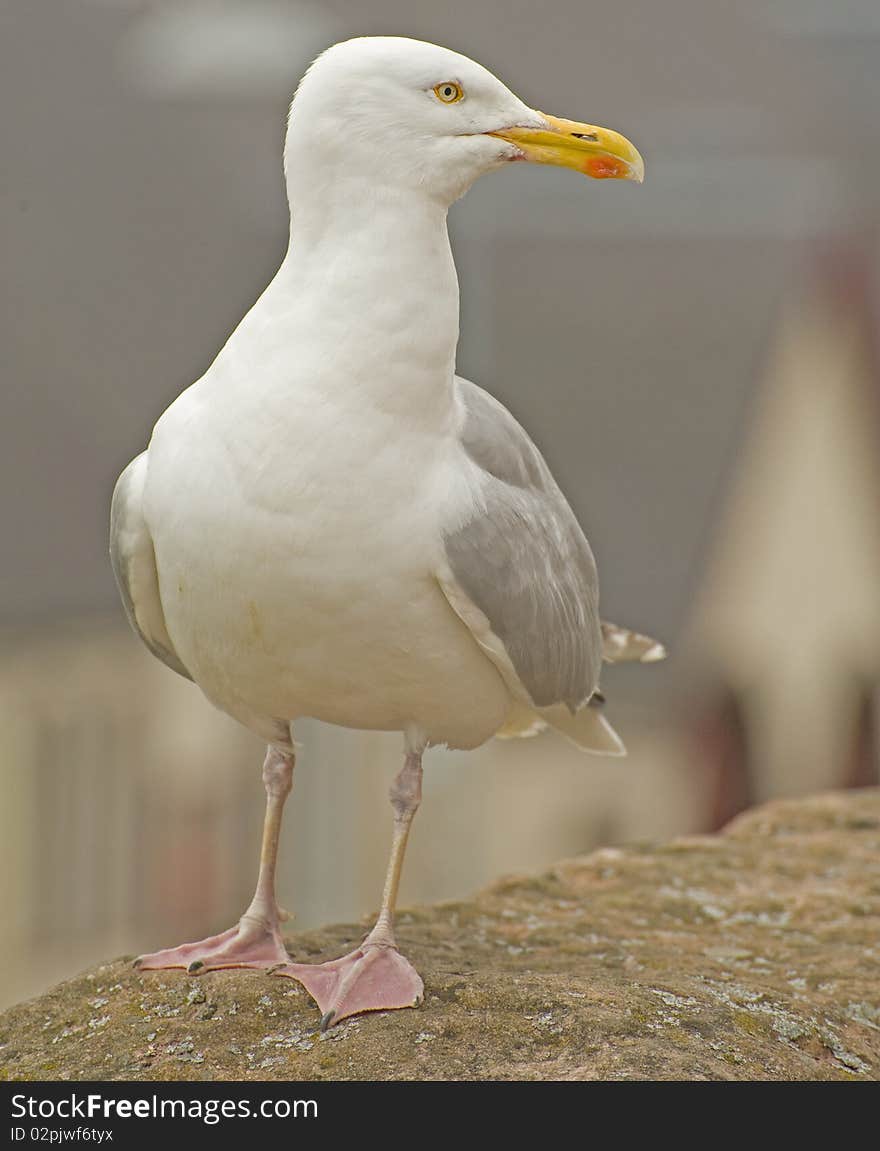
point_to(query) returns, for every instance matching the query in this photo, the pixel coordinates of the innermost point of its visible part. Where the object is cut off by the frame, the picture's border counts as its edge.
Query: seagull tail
(587, 729)
(620, 645)
(521, 723)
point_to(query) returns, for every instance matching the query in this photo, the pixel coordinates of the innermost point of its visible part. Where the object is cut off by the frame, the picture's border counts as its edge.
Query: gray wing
(134, 565)
(524, 562)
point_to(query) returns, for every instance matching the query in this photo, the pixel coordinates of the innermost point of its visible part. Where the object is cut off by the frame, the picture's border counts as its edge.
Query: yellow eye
(449, 93)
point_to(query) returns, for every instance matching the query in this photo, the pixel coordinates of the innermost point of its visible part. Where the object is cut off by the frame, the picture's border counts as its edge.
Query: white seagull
(331, 523)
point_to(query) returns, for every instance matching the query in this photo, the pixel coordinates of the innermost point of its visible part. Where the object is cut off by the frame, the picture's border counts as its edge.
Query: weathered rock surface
(754, 954)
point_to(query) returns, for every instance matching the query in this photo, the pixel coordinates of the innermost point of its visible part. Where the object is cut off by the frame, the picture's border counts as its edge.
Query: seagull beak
(597, 152)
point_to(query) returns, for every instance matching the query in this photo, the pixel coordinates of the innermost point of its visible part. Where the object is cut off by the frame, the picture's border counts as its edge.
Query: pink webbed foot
(250, 944)
(374, 977)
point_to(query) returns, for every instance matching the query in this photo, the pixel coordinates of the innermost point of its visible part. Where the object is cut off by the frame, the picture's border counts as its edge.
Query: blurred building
(788, 618)
(709, 407)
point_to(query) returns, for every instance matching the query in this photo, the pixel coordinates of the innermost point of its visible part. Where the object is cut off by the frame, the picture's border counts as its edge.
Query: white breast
(297, 493)
(296, 552)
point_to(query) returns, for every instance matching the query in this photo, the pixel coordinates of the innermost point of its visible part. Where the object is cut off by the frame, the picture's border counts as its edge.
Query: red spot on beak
(605, 168)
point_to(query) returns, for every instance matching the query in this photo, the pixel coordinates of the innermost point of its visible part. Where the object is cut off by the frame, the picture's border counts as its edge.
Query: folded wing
(134, 565)
(522, 577)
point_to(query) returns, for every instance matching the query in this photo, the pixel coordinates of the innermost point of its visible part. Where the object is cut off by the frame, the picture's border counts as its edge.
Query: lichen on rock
(754, 954)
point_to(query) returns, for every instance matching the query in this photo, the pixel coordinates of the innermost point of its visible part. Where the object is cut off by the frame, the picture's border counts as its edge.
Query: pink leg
(256, 940)
(375, 976)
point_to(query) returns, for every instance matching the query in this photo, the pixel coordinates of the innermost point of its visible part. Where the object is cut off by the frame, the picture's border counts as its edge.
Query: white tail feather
(587, 729)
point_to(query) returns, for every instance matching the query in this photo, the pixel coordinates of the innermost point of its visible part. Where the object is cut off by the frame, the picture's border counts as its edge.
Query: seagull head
(407, 114)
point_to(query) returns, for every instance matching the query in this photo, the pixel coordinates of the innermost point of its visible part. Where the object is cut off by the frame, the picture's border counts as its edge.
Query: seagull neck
(372, 269)
(353, 206)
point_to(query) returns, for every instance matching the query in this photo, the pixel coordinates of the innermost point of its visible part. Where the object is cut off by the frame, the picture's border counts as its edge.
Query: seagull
(331, 523)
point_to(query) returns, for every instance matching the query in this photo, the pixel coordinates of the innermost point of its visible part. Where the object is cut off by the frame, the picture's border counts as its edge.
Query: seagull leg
(375, 976)
(256, 940)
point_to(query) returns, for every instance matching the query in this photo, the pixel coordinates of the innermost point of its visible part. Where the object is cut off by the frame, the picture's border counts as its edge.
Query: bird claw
(247, 945)
(370, 978)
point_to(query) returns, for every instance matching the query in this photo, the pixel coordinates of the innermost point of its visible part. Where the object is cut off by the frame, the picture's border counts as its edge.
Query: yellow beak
(597, 152)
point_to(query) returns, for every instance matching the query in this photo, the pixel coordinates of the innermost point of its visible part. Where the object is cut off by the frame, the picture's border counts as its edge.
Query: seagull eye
(449, 93)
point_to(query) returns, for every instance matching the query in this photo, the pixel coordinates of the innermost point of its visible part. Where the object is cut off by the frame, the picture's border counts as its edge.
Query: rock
(754, 954)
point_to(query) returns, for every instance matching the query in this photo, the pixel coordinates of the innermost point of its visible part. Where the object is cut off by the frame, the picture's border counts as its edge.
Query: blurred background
(711, 410)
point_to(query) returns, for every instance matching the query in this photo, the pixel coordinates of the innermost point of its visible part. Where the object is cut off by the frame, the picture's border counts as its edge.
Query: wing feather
(134, 565)
(521, 573)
